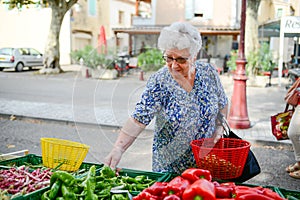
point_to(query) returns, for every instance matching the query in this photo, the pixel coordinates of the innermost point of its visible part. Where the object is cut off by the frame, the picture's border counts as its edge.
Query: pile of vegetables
(192, 184)
(64, 185)
(214, 163)
(197, 184)
(22, 180)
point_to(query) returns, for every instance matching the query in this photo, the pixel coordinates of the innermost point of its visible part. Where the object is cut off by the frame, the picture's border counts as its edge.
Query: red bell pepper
(176, 186)
(201, 189)
(270, 193)
(194, 174)
(240, 190)
(157, 188)
(253, 196)
(172, 197)
(145, 196)
(224, 190)
(245, 192)
(229, 184)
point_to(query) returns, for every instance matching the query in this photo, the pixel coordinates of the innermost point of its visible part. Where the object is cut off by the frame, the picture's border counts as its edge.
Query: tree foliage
(261, 60)
(231, 63)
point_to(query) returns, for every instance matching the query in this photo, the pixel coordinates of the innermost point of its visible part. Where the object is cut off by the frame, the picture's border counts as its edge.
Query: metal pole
(238, 114)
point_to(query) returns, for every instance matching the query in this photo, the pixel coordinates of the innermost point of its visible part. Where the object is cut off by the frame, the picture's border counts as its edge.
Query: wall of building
(214, 16)
(272, 11)
(86, 27)
(25, 29)
(222, 14)
(275, 9)
(128, 10)
(168, 12)
(30, 27)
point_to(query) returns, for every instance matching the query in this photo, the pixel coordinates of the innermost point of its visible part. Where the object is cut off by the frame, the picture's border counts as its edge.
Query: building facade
(270, 14)
(87, 17)
(81, 25)
(130, 23)
(218, 25)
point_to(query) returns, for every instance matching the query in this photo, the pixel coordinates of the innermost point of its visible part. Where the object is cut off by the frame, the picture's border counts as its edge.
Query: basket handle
(228, 133)
(25, 152)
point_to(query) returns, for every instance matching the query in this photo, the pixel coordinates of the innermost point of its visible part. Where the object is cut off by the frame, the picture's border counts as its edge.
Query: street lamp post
(238, 114)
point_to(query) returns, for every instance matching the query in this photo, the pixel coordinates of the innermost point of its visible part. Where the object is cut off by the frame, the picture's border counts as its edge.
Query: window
(24, 51)
(205, 11)
(34, 52)
(199, 8)
(279, 12)
(6, 51)
(131, 19)
(121, 17)
(92, 7)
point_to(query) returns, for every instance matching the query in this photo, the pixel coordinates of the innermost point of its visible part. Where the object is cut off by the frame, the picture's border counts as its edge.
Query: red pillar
(238, 114)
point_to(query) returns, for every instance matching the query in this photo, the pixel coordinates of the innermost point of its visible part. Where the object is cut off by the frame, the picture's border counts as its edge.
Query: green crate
(288, 194)
(36, 195)
(30, 159)
(37, 160)
(33, 159)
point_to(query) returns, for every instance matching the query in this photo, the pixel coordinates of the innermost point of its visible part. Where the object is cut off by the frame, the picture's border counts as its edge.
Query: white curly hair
(180, 35)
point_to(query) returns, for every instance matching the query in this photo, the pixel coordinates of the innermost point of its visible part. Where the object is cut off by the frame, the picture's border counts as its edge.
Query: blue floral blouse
(181, 116)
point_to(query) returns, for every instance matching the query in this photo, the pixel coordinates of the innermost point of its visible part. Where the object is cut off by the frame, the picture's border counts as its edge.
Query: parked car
(18, 58)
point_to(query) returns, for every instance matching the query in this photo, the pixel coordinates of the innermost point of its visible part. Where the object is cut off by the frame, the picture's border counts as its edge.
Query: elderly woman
(185, 96)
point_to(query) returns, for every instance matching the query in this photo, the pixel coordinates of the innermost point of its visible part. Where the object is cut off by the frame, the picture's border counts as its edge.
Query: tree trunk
(251, 31)
(52, 52)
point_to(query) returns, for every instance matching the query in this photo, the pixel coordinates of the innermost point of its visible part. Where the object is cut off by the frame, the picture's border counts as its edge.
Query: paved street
(73, 107)
(72, 97)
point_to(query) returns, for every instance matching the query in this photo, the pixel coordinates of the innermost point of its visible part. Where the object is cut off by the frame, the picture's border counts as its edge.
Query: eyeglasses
(179, 60)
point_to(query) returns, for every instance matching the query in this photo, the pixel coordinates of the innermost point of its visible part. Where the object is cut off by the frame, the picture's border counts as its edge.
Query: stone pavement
(262, 102)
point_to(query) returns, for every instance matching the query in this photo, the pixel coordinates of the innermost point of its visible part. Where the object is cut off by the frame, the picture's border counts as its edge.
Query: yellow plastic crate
(64, 153)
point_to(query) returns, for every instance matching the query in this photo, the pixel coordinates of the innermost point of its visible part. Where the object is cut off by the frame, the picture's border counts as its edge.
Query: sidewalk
(262, 103)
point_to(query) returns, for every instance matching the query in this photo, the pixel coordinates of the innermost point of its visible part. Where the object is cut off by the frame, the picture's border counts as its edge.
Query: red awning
(102, 44)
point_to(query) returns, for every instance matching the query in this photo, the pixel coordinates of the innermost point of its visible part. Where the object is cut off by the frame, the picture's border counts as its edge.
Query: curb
(58, 121)
(274, 144)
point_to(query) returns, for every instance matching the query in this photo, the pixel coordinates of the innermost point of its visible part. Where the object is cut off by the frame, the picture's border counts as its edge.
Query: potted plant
(260, 65)
(96, 64)
(231, 63)
(150, 60)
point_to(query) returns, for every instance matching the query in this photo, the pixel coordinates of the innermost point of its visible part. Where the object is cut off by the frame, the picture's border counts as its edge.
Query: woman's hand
(218, 134)
(114, 157)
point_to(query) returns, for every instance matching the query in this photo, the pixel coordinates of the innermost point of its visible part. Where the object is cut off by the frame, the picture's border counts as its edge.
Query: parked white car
(18, 58)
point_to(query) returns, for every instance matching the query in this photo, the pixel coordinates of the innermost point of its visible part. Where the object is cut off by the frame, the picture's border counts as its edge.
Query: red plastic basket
(225, 159)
